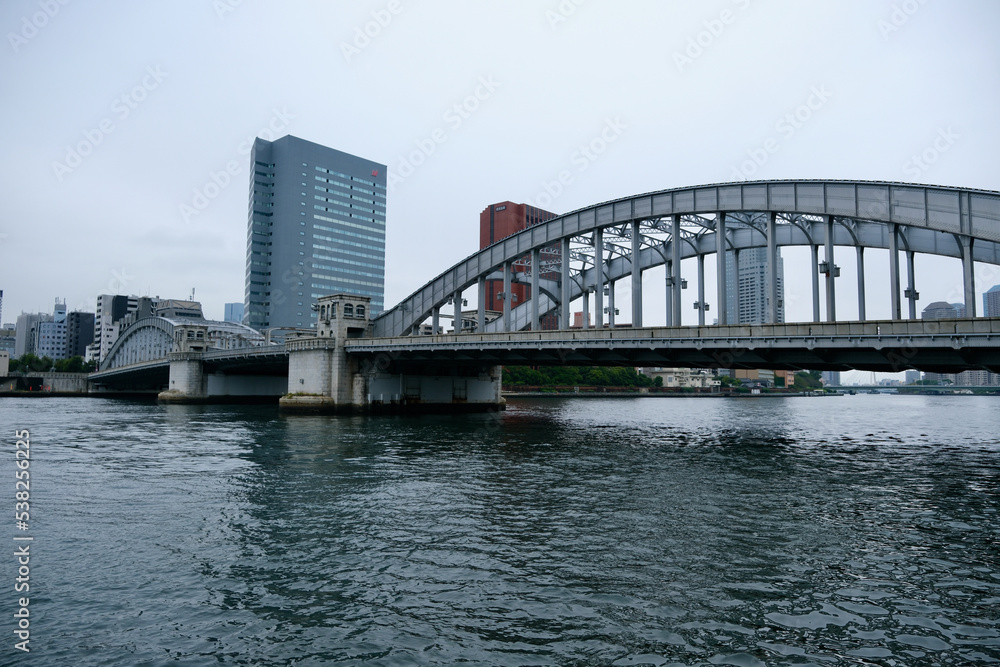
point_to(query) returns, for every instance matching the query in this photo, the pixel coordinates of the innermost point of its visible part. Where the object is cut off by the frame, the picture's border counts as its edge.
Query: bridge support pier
(188, 383)
(321, 377)
(324, 378)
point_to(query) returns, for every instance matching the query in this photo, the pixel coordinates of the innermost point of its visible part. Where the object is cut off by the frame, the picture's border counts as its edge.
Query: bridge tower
(321, 375)
(187, 374)
(326, 375)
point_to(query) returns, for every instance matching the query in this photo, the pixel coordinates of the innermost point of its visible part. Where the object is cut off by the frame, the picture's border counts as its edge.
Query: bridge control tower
(323, 377)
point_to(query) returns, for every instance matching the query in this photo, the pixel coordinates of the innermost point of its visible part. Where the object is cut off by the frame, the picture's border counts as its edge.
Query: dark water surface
(860, 530)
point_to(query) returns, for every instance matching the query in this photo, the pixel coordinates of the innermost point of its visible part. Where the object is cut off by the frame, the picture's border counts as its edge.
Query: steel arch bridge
(150, 339)
(601, 244)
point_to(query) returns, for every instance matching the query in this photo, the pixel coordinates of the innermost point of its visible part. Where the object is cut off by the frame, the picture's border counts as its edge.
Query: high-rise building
(500, 220)
(26, 332)
(959, 309)
(748, 287)
(50, 336)
(991, 302)
(939, 310)
(831, 378)
(316, 226)
(8, 339)
(79, 333)
(234, 312)
(111, 310)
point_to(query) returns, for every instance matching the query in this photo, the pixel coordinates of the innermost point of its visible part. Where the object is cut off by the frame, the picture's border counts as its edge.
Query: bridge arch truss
(580, 253)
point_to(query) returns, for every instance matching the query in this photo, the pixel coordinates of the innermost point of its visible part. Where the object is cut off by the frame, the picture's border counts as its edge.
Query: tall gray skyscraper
(751, 281)
(316, 227)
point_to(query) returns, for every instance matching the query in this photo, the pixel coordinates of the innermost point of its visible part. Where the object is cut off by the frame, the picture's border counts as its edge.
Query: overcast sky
(127, 124)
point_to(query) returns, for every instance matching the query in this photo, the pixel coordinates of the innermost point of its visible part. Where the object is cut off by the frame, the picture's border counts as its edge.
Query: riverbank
(664, 394)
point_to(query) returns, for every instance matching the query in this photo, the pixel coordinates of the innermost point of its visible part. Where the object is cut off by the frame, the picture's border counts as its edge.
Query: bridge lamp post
(671, 281)
(702, 307)
(452, 301)
(830, 271)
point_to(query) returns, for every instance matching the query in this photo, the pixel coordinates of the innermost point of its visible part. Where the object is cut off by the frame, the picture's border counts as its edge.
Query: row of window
(348, 196)
(339, 248)
(353, 253)
(348, 186)
(353, 215)
(380, 239)
(351, 262)
(344, 281)
(320, 237)
(351, 178)
(366, 209)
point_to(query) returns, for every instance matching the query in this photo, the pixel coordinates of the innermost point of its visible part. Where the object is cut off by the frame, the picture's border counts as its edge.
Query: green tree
(72, 365)
(729, 381)
(31, 363)
(808, 380)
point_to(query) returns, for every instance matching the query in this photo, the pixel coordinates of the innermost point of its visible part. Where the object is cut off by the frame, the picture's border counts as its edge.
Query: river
(853, 530)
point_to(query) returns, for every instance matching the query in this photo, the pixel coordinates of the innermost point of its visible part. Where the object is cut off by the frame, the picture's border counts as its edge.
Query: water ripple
(857, 530)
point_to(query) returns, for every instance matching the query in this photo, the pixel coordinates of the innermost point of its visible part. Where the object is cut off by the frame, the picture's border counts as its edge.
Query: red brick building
(498, 221)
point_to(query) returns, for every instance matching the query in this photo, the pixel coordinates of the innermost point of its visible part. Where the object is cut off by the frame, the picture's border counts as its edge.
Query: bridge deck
(930, 345)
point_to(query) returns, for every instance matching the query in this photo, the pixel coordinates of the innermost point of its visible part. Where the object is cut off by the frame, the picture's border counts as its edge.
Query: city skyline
(164, 134)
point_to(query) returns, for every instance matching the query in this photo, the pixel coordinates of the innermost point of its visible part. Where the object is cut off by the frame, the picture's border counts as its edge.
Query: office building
(234, 313)
(8, 339)
(831, 378)
(50, 336)
(977, 379)
(747, 288)
(316, 226)
(79, 333)
(111, 310)
(991, 302)
(498, 221)
(26, 332)
(939, 310)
